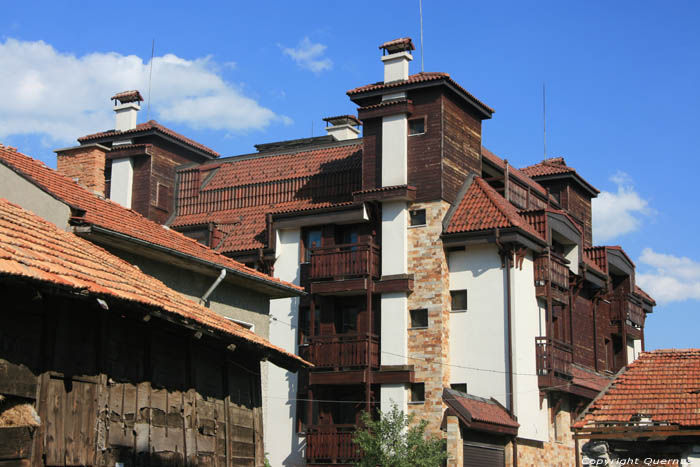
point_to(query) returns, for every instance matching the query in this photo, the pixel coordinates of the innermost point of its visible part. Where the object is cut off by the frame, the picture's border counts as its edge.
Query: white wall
(478, 336)
(122, 181)
(634, 348)
(527, 324)
(394, 238)
(282, 443)
(394, 150)
(573, 256)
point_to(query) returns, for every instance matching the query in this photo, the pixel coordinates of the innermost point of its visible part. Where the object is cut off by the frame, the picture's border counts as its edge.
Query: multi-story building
(439, 277)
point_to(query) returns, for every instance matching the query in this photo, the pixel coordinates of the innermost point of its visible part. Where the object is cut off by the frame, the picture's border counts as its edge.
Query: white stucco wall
(394, 394)
(394, 150)
(122, 181)
(282, 443)
(478, 338)
(394, 238)
(526, 315)
(634, 348)
(573, 256)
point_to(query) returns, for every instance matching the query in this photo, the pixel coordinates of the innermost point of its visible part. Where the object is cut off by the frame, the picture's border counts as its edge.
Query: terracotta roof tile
(662, 385)
(33, 248)
(482, 208)
(554, 166)
(403, 43)
(497, 161)
(113, 217)
(149, 125)
(127, 96)
(422, 77)
(480, 409)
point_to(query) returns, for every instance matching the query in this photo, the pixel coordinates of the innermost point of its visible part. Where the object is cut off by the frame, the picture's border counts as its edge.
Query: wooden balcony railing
(553, 357)
(331, 443)
(342, 351)
(341, 261)
(552, 268)
(624, 309)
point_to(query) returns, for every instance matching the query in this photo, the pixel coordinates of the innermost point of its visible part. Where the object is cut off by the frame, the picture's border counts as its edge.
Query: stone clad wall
(428, 349)
(558, 451)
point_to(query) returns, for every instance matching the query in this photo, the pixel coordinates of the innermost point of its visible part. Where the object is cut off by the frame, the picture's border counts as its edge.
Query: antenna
(544, 119)
(150, 76)
(420, 9)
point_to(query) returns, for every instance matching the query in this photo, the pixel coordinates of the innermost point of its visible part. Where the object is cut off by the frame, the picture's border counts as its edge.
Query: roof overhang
(154, 132)
(587, 187)
(595, 277)
(111, 239)
(510, 235)
(619, 261)
(346, 214)
(448, 396)
(563, 226)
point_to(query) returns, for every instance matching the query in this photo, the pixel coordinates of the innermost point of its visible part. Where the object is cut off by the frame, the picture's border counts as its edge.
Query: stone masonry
(85, 165)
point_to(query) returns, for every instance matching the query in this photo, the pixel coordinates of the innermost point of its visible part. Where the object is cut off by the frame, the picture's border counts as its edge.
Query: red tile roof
(663, 385)
(639, 291)
(482, 208)
(127, 96)
(500, 163)
(479, 409)
(148, 126)
(422, 77)
(554, 166)
(598, 255)
(35, 249)
(403, 43)
(238, 193)
(113, 217)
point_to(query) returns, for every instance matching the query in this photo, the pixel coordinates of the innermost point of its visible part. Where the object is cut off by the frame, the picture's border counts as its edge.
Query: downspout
(507, 262)
(213, 287)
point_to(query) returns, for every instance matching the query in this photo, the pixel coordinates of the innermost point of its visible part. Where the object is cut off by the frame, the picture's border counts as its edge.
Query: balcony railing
(342, 261)
(552, 268)
(331, 443)
(624, 309)
(553, 357)
(342, 351)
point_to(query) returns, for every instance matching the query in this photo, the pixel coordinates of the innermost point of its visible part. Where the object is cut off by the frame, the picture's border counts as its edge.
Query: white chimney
(342, 127)
(396, 59)
(126, 106)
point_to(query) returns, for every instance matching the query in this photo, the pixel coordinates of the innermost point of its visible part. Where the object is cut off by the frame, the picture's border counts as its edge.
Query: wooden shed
(110, 367)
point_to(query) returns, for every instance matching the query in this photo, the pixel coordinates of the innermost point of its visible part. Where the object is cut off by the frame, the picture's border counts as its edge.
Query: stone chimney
(84, 164)
(126, 107)
(396, 59)
(343, 127)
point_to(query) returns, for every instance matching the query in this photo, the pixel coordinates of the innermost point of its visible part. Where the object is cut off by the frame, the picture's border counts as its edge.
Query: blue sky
(623, 101)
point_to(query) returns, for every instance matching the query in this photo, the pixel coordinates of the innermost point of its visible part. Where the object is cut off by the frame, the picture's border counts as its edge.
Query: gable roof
(662, 386)
(150, 125)
(488, 414)
(483, 208)
(34, 249)
(553, 168)
(238, 193)
(113, 217)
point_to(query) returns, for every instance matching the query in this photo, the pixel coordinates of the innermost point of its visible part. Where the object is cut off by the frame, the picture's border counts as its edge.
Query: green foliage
(391, 441)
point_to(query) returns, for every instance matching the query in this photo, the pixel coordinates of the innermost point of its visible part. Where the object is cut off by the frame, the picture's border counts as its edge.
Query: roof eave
(593, 191)
(149, 132)
(506, 235)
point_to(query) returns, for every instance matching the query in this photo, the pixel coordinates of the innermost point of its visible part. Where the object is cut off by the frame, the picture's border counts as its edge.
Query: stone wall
(559, 450)
(428, 348)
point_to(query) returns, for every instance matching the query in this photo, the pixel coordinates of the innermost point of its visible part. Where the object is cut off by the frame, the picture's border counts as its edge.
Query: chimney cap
(127, 96)
(398, 45)
(343, 120)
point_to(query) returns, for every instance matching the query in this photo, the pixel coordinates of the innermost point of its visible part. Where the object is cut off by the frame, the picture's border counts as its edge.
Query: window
(163, 197)
(108, 178)
(417, 217)
(459, 300)
(416, 126)
(417, 392)
(311, 239)
(419, 318)
(461, 387)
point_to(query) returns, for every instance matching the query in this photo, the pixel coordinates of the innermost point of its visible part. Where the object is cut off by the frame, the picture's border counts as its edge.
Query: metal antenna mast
(544, 119)
(150, 76)
(420, 8)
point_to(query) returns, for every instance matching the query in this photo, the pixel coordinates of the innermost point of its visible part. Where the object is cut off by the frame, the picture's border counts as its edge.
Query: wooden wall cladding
(111, 388)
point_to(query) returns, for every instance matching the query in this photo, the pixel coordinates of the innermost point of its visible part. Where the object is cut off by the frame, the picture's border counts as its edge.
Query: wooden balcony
(554, 360)
(331, 443)
(553, 270)
(342, 351)
(628, 311)
(345, 261)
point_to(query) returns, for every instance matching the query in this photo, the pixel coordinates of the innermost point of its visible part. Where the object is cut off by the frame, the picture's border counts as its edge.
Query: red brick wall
(86, 165)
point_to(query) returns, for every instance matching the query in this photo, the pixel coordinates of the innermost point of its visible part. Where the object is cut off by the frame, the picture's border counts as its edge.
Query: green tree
(394, 441)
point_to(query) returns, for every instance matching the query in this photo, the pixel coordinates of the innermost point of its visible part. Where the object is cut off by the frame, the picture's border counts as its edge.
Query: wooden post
(368, 382)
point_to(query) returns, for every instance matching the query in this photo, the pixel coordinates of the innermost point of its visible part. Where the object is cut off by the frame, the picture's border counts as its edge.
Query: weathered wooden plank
(55, 448)
(15, 442)
(17, 380)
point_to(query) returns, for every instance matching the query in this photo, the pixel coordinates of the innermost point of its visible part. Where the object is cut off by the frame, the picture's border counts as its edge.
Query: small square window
(459, 300)
(417, 217)
(461, 387)
(418, 392)
(419, 318)
(416, 126)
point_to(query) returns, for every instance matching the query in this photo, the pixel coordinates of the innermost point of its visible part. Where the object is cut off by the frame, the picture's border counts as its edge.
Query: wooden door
(71, 421)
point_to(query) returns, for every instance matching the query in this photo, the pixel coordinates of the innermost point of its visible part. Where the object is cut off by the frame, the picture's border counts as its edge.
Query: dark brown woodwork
(331, 443)
(553, 357)
(345, 261)
(342, 351)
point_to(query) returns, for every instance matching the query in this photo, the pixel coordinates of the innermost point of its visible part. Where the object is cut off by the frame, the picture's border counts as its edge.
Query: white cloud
(62, 96)
(309, 55)
(618, 213)
(671, 278)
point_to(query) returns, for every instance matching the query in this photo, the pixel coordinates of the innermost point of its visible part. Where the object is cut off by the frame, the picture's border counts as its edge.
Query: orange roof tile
(554, 166)
(483, 208)
(498, 162)
(147, 126)
(33, 248)
(113, 217)
(479, 409)
(661, 385)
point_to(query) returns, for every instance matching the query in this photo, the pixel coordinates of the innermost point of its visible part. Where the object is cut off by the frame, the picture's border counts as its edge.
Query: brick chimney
(126, 107)
(396, 59)
(84, 164)
(342, 127)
